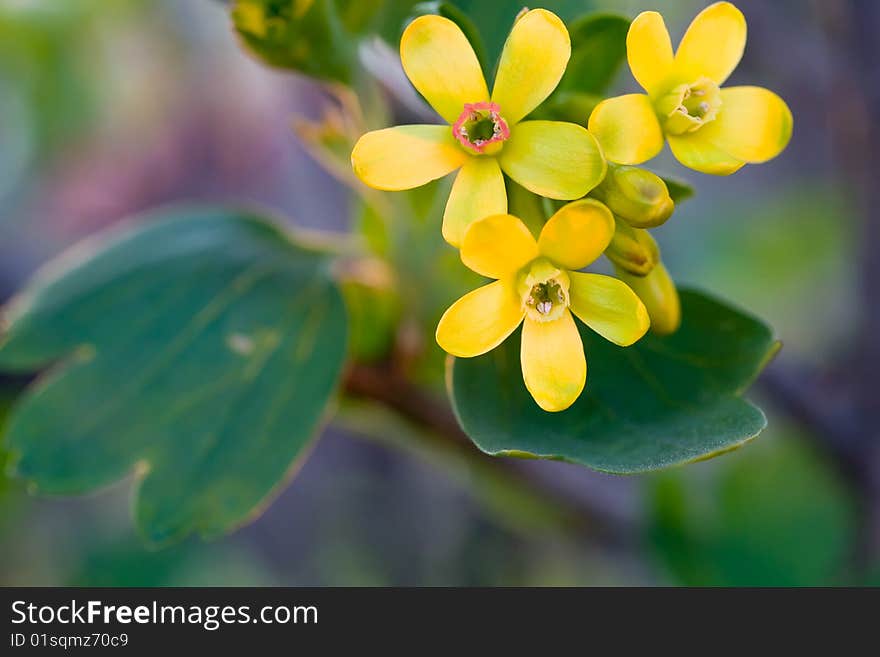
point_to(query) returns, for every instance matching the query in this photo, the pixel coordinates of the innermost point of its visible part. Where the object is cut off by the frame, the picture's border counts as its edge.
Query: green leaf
(598, 49)
(197, 349)
(776, 515)
(679, 190)
(662, 402)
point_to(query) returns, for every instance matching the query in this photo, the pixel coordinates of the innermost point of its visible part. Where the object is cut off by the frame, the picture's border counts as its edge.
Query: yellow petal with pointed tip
(712, 45)
(553, 363)
(627, 129)
(754, 124)
(478, 192)
(406, 156)
(480, 320)
(440, 62)
(532, 63)
(577, 234)
(553, 159)
(649, 51)
(693, 150)
(498, 246)
(609, 307)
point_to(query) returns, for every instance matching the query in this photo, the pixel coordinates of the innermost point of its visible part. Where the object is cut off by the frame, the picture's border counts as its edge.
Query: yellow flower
(485, 135)
(709, 129)
(538, 285)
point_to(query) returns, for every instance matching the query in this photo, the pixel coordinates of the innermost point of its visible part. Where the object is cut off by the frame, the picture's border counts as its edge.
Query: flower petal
(406, 156)
(577, 234)
(478, 192)
(553, 363)
(441, 64)
(498, 246)
(712, 45)
(609, 307)
(754, 124)
(480, 320)
(553, 159)
(532, 63)
(695, 151)
(627, 129)
(649, 51)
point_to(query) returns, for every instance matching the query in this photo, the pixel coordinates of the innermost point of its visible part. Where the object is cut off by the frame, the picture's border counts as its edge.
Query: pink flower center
(479, 126)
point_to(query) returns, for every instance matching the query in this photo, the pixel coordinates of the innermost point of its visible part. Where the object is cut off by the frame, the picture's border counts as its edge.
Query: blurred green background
(110, 108)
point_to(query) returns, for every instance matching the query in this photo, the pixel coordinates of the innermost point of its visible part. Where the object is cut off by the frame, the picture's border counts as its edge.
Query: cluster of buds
(640, 199)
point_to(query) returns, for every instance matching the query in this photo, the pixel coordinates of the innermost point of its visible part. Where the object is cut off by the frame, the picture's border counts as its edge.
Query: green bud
(632, 249)
(657, 291)
(635, 194)
(300, 35)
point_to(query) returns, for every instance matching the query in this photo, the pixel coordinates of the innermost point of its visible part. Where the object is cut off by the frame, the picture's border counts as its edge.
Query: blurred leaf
(300, 35)
(110, 562)
(364, 17)
(798, 246)
(679, 190)
(358, 15)
(662, 402)
(457, 16)
(598, 49)
(373, 311)
(10, 389)
(373, 226)
(775, 516)
(568, 106)
(494, 19)
(198, 350)
(50, 80)
(127, 563)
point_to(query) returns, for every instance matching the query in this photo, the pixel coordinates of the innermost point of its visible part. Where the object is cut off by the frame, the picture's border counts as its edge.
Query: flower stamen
(544, 290)
(688, 107)
(480, 128)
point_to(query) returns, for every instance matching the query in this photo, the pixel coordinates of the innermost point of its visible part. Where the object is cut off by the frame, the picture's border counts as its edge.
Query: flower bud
(300, 35)
(635, 194)
(632, 249)
(658, 293)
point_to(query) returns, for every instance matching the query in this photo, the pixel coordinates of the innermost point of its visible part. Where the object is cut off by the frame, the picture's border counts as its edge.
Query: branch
(391, 389)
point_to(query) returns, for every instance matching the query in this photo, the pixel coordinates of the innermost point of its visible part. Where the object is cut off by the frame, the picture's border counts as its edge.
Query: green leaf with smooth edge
(198, 349)
(662, 402)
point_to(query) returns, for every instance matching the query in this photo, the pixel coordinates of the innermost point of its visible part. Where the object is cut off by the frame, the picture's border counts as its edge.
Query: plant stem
(440, 431)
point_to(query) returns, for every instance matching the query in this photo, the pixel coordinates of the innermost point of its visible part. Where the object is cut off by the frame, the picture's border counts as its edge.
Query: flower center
(544, 290)
(688, 107)
(481, 129)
